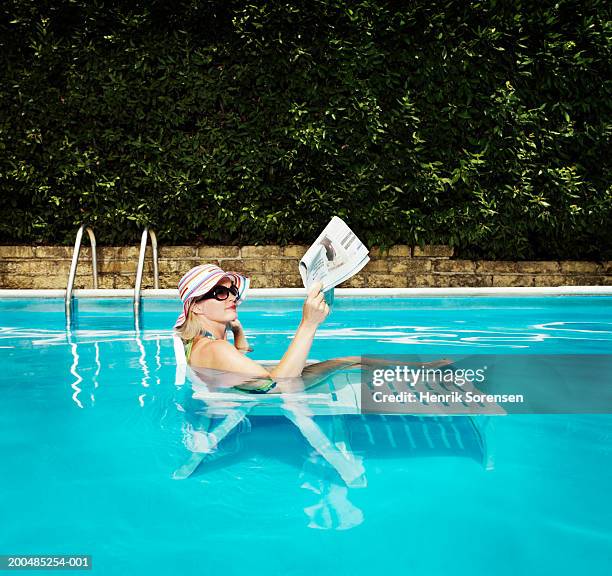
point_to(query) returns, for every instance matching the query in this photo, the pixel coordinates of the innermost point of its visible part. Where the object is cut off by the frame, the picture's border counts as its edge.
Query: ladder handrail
(73, 266)
(141, 258)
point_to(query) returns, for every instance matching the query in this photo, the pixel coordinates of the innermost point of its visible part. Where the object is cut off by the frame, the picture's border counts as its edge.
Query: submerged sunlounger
(233, 407)
(338, 395)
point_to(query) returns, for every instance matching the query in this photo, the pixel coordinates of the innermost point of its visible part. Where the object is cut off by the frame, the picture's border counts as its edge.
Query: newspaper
(336, 255)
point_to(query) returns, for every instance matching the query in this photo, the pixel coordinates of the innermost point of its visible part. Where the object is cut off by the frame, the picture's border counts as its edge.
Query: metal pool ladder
(141, 258)
(73, 267)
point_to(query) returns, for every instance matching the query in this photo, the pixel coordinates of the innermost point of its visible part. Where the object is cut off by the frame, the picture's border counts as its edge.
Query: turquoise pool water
(92, 428)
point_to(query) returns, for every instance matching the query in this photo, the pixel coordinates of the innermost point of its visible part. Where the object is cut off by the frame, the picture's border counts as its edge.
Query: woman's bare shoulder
(205, 349)
(222, 355)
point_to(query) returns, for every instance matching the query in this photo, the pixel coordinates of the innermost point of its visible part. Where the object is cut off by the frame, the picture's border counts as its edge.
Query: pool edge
(260, 293)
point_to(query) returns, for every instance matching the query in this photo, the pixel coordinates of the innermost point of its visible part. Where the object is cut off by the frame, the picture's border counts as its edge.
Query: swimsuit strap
(189, 345)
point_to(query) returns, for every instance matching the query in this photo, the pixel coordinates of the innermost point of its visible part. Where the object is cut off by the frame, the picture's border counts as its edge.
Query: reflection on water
(450, 335)
(68, 337)
(332, 509)
(508, 332)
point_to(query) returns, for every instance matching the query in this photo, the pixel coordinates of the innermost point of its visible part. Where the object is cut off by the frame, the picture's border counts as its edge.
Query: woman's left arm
(240, 339)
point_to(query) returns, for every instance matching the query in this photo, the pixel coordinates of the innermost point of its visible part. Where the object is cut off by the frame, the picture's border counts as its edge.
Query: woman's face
(218, 310)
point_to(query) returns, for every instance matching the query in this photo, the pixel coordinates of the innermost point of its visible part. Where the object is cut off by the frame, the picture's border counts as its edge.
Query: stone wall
(276, 266)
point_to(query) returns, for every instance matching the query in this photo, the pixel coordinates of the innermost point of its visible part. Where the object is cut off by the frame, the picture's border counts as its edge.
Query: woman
(210, 298)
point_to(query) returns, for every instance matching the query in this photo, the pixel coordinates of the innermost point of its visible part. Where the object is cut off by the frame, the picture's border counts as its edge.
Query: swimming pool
(92, 428)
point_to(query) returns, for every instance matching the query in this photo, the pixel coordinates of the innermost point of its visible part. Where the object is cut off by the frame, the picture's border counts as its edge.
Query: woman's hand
(315, 309)
(235, 326)
(240, 339)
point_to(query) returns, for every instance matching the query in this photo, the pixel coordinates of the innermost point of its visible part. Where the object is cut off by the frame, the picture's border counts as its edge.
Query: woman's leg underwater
(328, 367)
(317, 373)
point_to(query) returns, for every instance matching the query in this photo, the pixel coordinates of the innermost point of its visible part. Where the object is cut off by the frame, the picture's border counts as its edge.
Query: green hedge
(485, 125)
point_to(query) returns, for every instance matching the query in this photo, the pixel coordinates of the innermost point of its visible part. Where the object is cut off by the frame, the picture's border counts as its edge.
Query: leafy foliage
(483, 124)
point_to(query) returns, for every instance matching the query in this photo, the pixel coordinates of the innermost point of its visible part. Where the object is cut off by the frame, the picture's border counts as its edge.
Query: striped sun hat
(200, 280)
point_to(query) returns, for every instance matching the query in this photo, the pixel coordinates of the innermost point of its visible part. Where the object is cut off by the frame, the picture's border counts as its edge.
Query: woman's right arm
(221, 355)
(314, 311)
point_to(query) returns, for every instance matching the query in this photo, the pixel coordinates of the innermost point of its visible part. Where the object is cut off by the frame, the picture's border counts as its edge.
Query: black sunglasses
(221, 293)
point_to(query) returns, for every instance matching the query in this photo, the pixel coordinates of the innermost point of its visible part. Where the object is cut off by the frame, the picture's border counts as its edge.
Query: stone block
(239, 266)
(293, 281)
(118, 267)
(578, 266)
(167, 265)
(121, 281)
(133, 252)
(148, 279)
(268, 281)
(247, 266)
(433, 251)
(81, 281)
(462, 280)
(121, 252)
(550, 280)
(462, 266)
(537, 267)
(106, 281)
(357, 281)
(61, 252)
(583, 280)
(32, 282)
(377, 265)
(84, 267)
(400, 250)
(207, 252)
(512, 280)
(294, 251)
(169, 280)
(421, 281)
(385, 281)
(279, 266)
(16, 252)
(11, 281)
(177, 252)
(418, 266)
(496, 266)
(52, 282)
(405, 266)
(35, 267)
(108, 253)
(260, 251)
(397, 266)
(147, 283)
